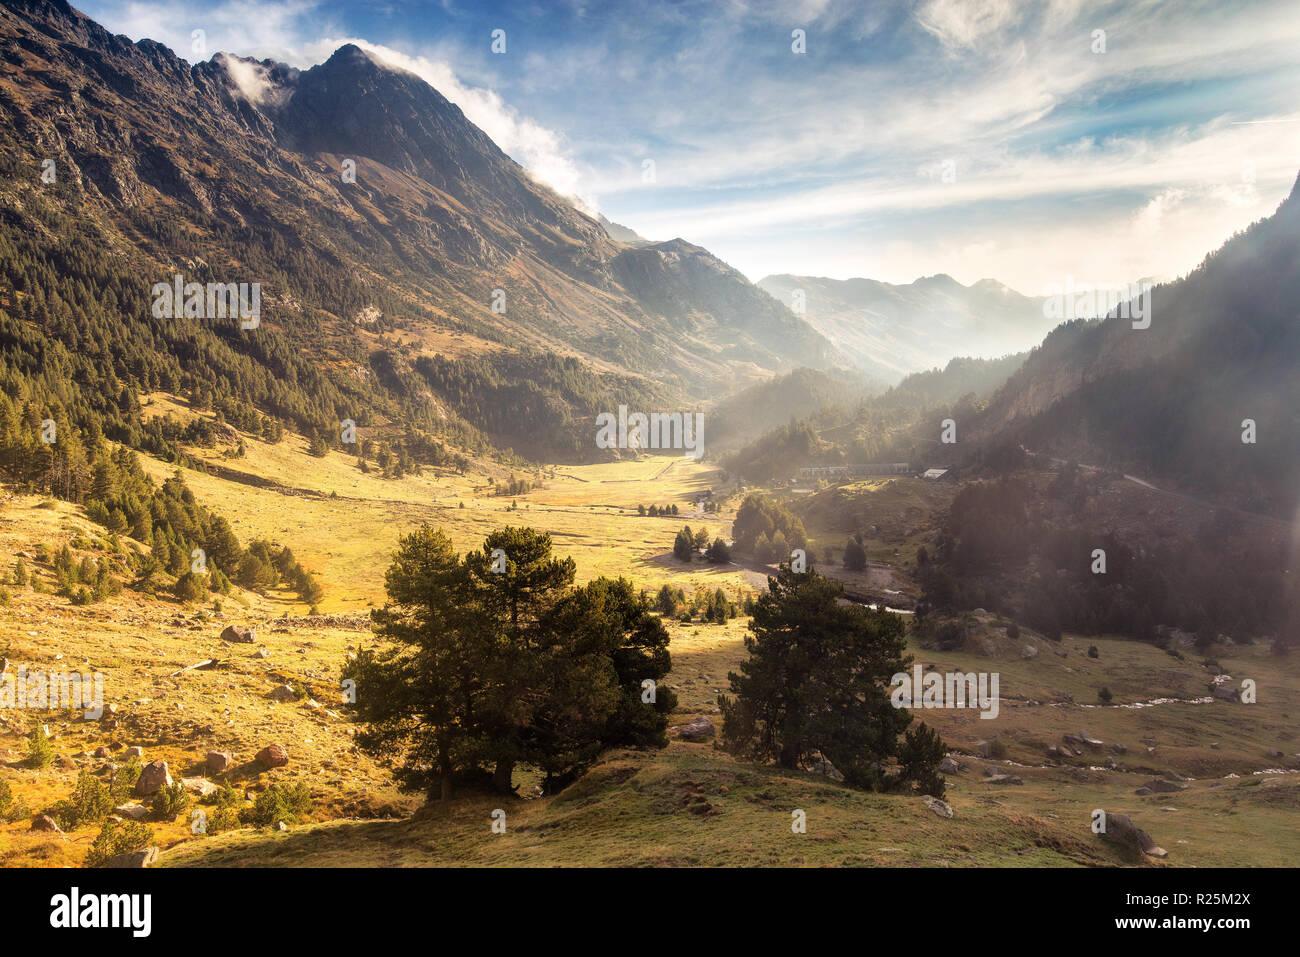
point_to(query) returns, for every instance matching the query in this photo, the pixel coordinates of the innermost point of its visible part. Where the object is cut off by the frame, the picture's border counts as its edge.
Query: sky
(1029, 142)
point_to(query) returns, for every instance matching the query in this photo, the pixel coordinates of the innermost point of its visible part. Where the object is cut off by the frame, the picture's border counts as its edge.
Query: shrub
(289, 803)
(1104, 695)
(11, 808)
(117, 839)
(39, 750)
(997, 749)
(1093, 652)
(1013, 631)
(20, 572)
(226, 815)
(125, 778)
(191, 587)
(170, 802)
(89, 802)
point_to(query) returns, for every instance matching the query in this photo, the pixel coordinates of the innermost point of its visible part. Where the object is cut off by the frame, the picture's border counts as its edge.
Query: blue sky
(981, 138)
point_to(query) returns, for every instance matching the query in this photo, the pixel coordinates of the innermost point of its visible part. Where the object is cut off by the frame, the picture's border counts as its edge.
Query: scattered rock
(1144, 791)
(239, 634)
(141, 858)
(1090, 739)
(698, 728)
(1003, 779)
(200, 787)
(135, 812)
(1029, 651)
(273, 756)
(938, 807)
(283, 693)
(822, 766)
(949, 766)
(218, 761)
(153, 777)
(1121, 830)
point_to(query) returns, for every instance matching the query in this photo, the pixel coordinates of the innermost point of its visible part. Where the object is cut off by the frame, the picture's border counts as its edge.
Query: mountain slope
(892, 330)
(1170, 401)
(234, 170)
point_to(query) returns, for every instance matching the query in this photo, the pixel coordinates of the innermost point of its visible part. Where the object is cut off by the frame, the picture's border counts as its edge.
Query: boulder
(1121, 830)
(283, 693)
(200, 787)
(134, 812)
(698, 728)
(141, 858)
(1028, 651)
(1225, 693)
(984, 748)
(1090, 739)
(273, 756)
(43, 822)
(103, 752)
(133, 752)
(822, 766)
(239, 635)
(219, 761)
(1161, 786)
(938, 807)
(153, 777)
(949, 766)
(1003, 779)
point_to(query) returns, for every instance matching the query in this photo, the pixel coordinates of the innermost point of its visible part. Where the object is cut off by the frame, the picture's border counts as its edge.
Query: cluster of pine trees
(767, 529)
(710, 606)
(1030, 553)
(481, 671)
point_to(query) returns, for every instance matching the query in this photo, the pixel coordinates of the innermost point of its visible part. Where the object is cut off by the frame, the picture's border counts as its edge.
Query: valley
(689, 804)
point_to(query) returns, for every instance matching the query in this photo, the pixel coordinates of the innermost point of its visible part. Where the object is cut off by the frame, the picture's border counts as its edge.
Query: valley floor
(691, 804)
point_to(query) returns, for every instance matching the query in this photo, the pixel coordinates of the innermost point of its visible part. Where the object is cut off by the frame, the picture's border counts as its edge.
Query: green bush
(1104, 695)
(117, 839)
(11, 808)
(91, 801)
(39, 750)
(170, 802)
(226, 816)
(1093, 652)
(125, 778)
(289, 803)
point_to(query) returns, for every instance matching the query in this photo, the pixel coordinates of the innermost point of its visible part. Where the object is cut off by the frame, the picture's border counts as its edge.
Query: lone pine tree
(816, 684)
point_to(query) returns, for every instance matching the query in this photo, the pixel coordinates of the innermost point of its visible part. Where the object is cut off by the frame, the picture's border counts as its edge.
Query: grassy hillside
(688, 805)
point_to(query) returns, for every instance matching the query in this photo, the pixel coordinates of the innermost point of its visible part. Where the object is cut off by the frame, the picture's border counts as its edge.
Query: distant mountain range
(889, 331)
